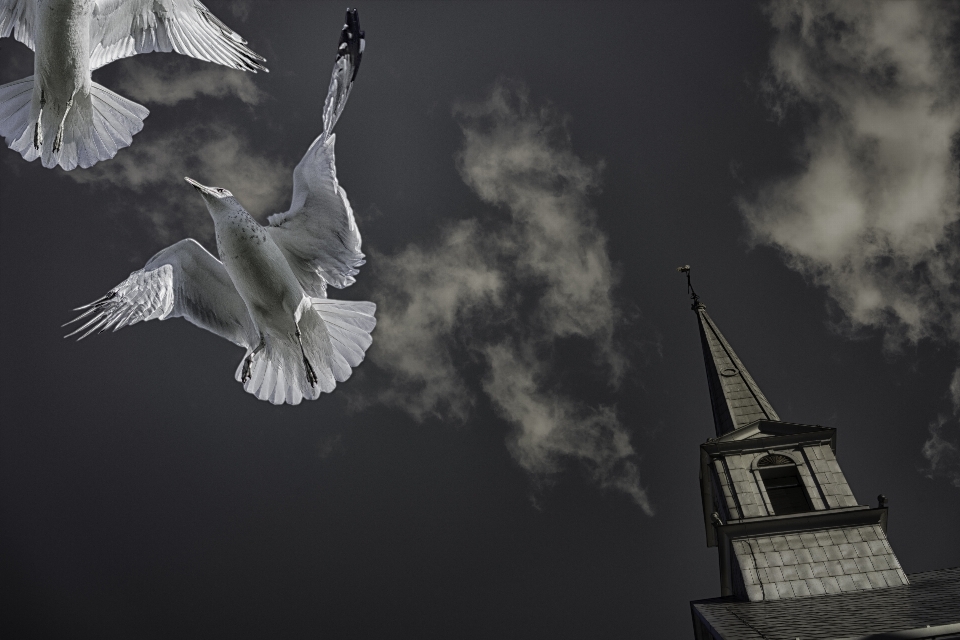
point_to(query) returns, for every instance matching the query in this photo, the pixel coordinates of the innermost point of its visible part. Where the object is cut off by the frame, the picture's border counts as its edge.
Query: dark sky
(143, 494)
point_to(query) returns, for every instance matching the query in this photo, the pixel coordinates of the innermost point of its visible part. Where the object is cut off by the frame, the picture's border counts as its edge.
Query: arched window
(782, 481)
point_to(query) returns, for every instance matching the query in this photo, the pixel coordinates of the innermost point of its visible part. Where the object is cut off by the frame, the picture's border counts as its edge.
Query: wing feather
(183, 280)
(122, 28)
(19, 18)
(318, 234)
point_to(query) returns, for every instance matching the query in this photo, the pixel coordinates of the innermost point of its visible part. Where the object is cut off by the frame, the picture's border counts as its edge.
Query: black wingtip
(351, 41)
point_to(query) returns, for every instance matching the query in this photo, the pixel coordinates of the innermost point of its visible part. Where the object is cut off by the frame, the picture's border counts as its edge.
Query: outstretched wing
(183, 280)
(122, 28)
(18, 17)
(319, 235)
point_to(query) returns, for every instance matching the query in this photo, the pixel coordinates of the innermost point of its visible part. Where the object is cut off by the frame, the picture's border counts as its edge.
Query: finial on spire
(693, 294)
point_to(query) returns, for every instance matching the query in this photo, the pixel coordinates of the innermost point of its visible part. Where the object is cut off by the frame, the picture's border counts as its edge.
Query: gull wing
(182, 281)
(122, 28)
(319, 235)
(18, 17)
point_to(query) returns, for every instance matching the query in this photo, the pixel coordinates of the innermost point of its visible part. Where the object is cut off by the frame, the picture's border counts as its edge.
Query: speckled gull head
(218, 200)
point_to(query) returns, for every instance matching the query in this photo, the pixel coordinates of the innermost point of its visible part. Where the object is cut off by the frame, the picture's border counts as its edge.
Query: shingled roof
(928, 607)
(735, 397)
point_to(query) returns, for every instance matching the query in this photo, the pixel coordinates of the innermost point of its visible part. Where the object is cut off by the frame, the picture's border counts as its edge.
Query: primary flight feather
(59, 114)
(267, 293)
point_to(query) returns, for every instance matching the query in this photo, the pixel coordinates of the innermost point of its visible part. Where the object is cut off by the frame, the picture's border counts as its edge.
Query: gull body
(62, 57)
(61, 62)
(59, 114)
(259, 270)
(268, 290)
(261, 274)
(273, 296)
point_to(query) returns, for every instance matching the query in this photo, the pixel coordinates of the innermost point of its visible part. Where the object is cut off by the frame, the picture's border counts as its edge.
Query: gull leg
(311, 374)
(37, 131)
(59, 139)
(248, 362)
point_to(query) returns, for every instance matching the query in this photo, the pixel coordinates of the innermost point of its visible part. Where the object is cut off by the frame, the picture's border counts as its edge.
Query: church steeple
(775, 501)
(735, 397)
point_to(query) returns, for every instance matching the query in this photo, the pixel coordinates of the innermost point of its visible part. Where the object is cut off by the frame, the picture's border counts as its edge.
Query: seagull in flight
(59, 114)
(267, 293)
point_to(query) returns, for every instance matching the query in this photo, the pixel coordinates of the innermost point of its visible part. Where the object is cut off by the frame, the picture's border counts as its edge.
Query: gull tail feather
(279, 376)
(16, 100)
(349, 324)
(96, 127)
(335, 335)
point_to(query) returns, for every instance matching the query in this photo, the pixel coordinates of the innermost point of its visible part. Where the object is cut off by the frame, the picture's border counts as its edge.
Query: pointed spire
(734, 396)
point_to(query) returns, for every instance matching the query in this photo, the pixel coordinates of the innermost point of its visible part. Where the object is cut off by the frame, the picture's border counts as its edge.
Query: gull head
(218, 200)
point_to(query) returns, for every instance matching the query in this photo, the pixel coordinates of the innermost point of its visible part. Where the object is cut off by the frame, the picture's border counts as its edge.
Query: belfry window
(781, 479)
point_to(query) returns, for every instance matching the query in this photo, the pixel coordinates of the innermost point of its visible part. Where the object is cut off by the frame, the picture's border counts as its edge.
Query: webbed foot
(58, 141)
(247, 366)
(311, 374)
(247, 371)
(37, 131)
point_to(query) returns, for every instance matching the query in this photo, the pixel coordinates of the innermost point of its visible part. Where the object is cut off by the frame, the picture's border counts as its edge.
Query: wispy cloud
(241, 9)
(168, 81)
(551, 426)
(146, 179)
(941, 450)
(522, 159)
(428, 301)
(872, 216)
(496, 298)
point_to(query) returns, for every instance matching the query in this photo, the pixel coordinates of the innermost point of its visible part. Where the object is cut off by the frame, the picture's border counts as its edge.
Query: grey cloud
(172, 81)
(241, 9)
(522, 159)
(872, 216)
(428, 298)
(551, 426)
(942, 453)
(941, 450)
(498, 297)
(150, 174)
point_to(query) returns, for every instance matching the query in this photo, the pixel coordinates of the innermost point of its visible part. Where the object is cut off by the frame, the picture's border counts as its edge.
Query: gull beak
(204, 190)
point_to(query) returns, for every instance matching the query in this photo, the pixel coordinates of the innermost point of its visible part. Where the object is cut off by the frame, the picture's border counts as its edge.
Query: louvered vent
(773, 459)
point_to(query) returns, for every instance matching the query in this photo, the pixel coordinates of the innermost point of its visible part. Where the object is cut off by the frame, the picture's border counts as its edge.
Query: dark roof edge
(921, 632)
(930, 582)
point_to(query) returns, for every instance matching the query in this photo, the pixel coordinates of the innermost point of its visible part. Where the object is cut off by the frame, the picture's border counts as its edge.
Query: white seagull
(269, 293)
(59, 114)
